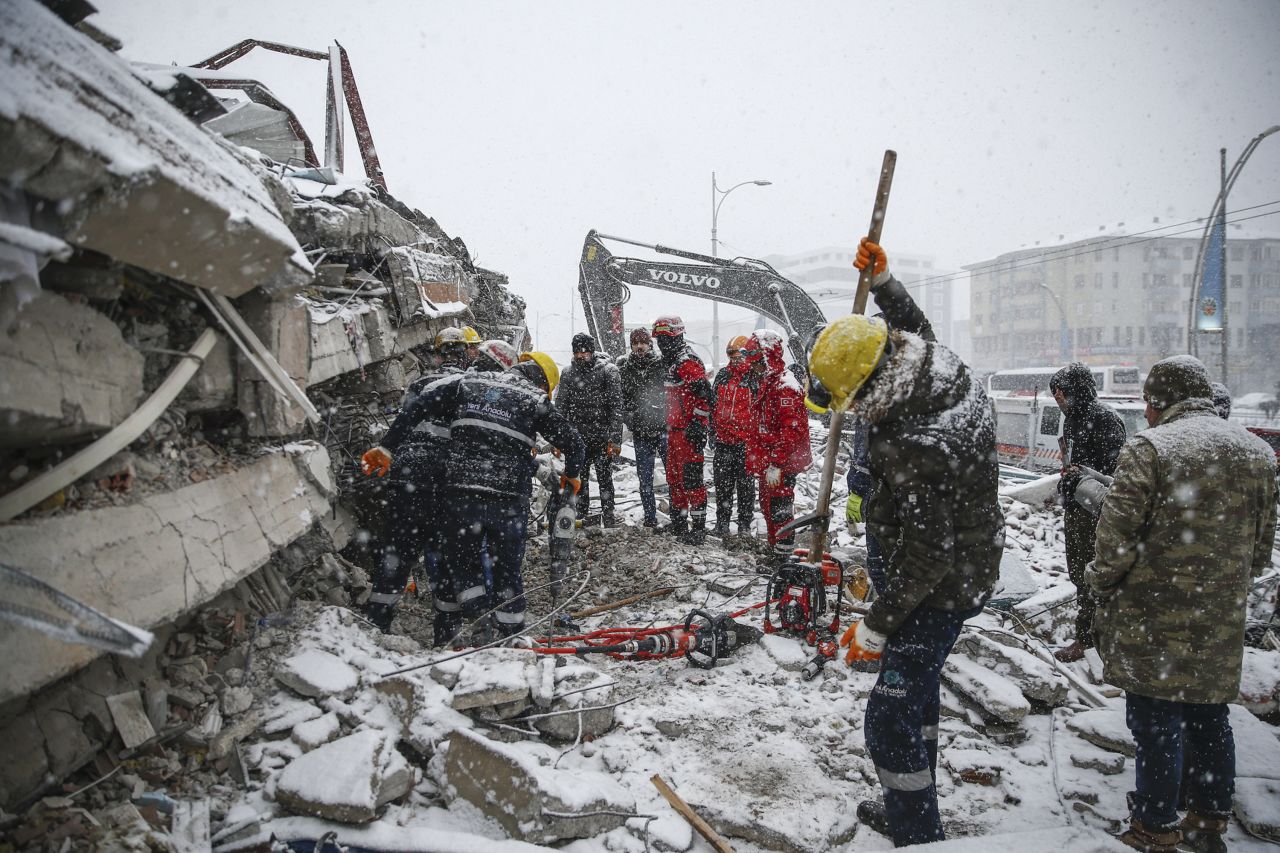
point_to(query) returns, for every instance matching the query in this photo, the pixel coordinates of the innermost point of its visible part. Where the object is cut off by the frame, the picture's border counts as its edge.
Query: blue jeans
(474, 522)
(647, 448)
(1170, 735)
(902, 721)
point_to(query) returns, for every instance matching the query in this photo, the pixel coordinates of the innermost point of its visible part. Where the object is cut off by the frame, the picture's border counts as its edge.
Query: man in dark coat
(494, 420)
(1188, 521)
(644, 411)
(590, 398)
(1092, 435)
(934, 509)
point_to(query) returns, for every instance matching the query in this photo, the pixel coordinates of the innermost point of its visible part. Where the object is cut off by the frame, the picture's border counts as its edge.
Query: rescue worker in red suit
(733, 422)
(689, 400)
(779, 450)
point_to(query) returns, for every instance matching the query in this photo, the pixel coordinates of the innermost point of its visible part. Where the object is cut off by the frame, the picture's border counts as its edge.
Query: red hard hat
(670, 326)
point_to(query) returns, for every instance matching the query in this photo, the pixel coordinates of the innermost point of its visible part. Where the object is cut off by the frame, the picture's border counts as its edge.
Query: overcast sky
(519, 126)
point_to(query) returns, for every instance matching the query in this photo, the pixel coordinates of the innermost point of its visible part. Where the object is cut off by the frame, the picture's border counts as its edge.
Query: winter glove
(862, 642)
(1071, 476)
(573, 482)
(867, 251)
(853, 509)
(376, 461)
(772, 475)
(696, 432)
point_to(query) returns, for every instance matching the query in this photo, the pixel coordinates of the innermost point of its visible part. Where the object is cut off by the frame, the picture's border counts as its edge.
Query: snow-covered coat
(1093, 429)
(688, 391)
(1189, 519)
(781, 438)
(590, 396)
(494, 420)
(733, 414)
(644, 396)
(932, 457)
(430, 437)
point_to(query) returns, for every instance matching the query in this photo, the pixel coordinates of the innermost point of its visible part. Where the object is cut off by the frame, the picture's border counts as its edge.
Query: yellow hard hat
(470, 335)
(450, 335)
(548, 366)
(845, 355)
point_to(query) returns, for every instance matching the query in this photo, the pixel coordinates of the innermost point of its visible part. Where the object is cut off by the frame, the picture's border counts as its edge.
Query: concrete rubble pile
(134, 241)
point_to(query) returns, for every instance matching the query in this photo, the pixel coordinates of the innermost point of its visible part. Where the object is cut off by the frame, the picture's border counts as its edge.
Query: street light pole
(715, 247)
(1066, 342)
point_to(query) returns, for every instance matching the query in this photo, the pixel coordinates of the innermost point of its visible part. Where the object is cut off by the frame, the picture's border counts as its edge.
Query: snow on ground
(774, 762)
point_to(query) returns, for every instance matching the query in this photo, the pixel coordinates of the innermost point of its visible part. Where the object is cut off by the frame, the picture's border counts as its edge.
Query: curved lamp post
(1219, 209)
(717, 198)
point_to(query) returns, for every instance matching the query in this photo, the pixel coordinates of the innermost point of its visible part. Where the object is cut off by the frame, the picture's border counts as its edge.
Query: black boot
(1203, 832)
(444, 628)
(722, 528)
(872, 815)
(380, 615)
(679, 523)
(697, 528)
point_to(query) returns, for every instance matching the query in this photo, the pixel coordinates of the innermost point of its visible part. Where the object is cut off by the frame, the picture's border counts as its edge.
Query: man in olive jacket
(1189, 519)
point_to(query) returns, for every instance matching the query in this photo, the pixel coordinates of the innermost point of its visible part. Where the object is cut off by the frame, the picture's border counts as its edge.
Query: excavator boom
(605, 281)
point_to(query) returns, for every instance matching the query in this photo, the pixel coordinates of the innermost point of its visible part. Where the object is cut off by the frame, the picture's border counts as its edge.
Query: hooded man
(590, 398)
(1188, 520)
(494, 420)
(779, 449)
(934, 510)
(733, 425)
(688, 411)
(644, 411)
(1092, 435)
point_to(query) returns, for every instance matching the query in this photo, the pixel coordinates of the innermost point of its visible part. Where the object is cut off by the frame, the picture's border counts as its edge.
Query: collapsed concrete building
(195, 336)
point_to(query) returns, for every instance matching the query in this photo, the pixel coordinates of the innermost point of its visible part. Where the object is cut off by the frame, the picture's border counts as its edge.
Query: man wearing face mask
(688, 411)
(590, 398)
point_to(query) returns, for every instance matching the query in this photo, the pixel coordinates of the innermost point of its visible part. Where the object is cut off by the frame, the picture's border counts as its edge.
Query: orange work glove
(867, 252)
(862, 642)
(615, 450)
(376, 461)
(571, 481)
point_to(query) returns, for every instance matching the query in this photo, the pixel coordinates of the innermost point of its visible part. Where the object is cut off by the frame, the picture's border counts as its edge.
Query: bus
(1028, 428)
(1112, 380)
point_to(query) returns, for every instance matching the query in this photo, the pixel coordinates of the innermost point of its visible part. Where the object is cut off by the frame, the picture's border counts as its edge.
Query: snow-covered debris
(1036, 679)
(1260, 681)
(318, 674)
(1257, 750)
(998, 697)
(581, 688)
(1104, 727)
(531, 801)
(317, 732)
(494, 679)
(346, 780)
(1257, 805)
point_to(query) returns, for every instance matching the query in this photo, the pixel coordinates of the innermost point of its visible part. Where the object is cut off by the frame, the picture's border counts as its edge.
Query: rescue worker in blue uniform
(414, 501)
(494, 420)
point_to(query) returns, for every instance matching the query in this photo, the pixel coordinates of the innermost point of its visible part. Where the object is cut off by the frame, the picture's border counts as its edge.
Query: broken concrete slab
(1036, 679)
(318, 674)
(130, 718)
(1257, 750)
(236, 700)
(1047, 614)
(1260, 681)
(1105, 728)
(201, 540)
(580, 686)
(490, 678)
(77, 123)
(787, 652)
(317, 732)
(283, 326)
(997, 697)
(342, 780)
(1257, 806)
(65, 373)
(531, 802)
(1090, 757)
(286, 712)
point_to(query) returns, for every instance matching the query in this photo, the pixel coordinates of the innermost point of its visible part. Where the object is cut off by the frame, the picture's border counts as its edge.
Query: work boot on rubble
(380, 615)
(679, 524)
(1203, 832)
(1151, 839)
(871, 814)
(1071, 653)
(444, 627)
(722, 530)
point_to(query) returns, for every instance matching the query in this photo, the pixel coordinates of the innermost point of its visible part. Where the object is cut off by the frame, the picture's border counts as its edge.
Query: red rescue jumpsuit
(688, 409)
(782, 436)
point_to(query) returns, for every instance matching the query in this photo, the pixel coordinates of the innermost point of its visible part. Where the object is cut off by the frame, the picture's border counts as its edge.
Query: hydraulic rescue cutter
(702, 639)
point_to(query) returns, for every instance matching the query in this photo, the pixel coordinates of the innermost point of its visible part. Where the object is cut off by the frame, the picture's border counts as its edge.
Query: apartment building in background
(1124, 298)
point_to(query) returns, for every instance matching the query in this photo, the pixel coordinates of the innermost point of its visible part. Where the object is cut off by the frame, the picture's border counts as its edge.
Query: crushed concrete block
(402, 695)
(528, 800)
(786, 652)
(65, 373)
(283, 326)
(491, 677)
(581, 686)
(1257, 806)
(342, 780)
(224, 742)
(363, 225)
(1257, 750)
(1105, 728)
(285, 713)
(997, 697)
(26, 763)
(130, 718)
(1036, 679)
(336, 350)
(1047, 613)
(1260, 681)
(1104, 762)
(318, 674)
(204, 538)
(236, 700)
(213, 388)
(317, 732)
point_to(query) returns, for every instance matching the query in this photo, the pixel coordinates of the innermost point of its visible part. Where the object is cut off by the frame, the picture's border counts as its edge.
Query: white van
(1111, 380)
(1028, 428)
